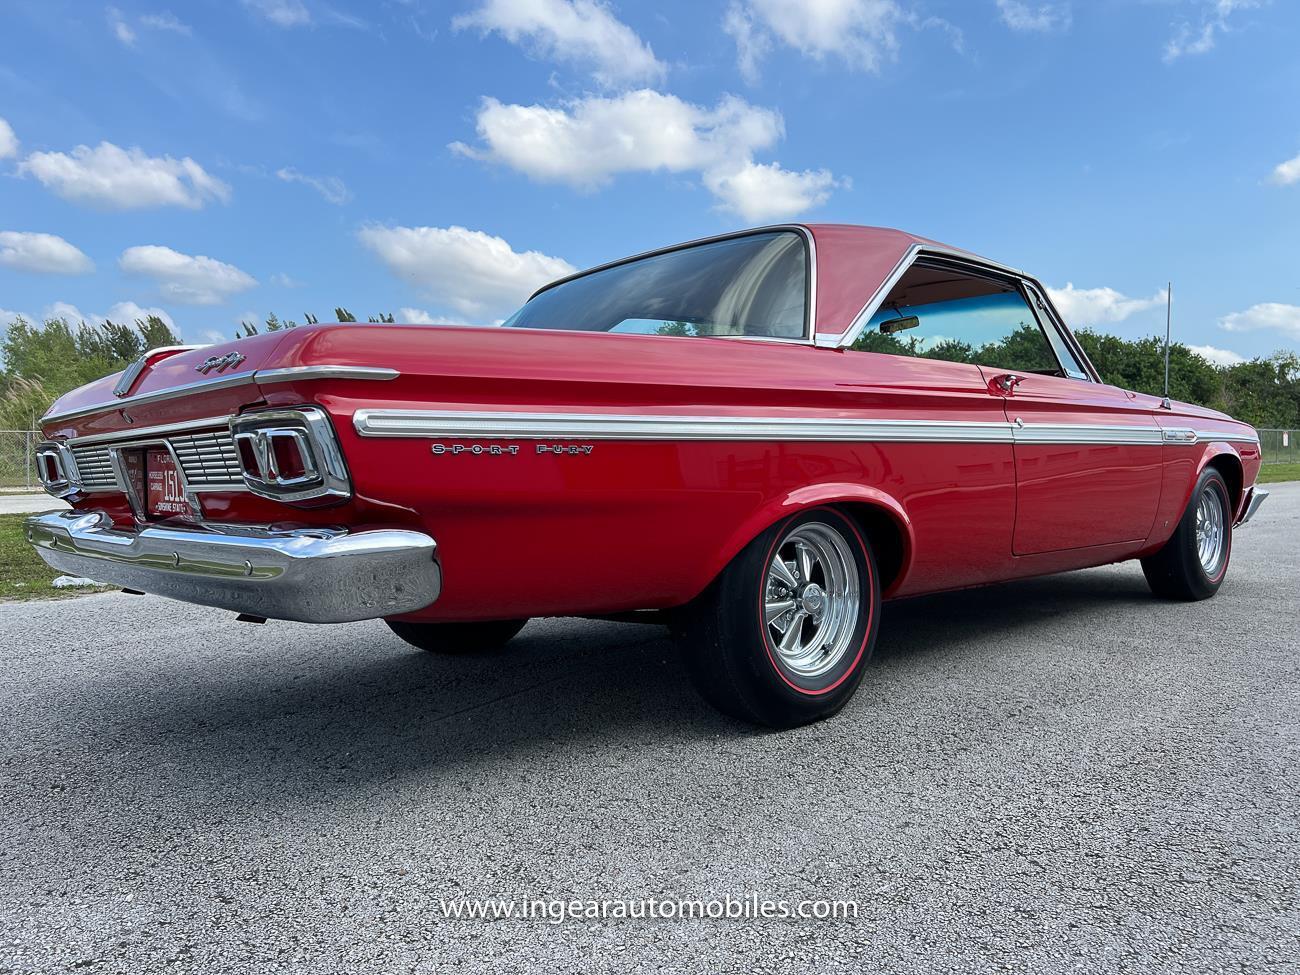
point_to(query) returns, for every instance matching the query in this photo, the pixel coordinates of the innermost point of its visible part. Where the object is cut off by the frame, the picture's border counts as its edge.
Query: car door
(1088, 462)
(1088, 456)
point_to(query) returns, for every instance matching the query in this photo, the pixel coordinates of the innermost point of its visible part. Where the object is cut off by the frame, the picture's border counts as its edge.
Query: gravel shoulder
(1055, 774)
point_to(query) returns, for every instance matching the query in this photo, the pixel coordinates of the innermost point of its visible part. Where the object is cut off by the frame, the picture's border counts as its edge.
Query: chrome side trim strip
(586, 426)
(288, 374)
(1086, 433)
(311, 575)
(1213, 436)
(441, 424)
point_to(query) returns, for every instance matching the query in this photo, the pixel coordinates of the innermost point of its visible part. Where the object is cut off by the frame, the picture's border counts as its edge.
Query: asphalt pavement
(20, 504)
(1062, 774)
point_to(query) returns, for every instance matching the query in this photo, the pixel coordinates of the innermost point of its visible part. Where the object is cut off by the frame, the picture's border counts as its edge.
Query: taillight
(56, 469)
(291, 455)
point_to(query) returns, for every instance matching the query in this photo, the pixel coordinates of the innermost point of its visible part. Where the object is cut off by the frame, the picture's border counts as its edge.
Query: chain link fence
(18, 460)
(1279, 446)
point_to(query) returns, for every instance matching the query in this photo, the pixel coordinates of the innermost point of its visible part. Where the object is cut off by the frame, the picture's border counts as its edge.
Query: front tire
(783, 636)
(1194, 562)
(457, 639)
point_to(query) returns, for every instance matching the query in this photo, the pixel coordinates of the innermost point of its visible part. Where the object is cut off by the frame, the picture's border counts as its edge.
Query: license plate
(163, 482)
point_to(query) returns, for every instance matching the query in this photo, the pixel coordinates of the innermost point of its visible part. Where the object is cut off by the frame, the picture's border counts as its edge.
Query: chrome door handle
(1008, 382)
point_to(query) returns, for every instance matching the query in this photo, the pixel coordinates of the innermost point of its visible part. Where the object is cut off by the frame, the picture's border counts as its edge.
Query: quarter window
(938, 312)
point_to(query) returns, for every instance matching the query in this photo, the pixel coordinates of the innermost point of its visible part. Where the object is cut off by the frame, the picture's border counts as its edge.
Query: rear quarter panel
(648, 524)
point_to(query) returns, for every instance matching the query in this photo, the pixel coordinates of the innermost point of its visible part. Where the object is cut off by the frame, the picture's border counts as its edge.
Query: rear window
(755, 285)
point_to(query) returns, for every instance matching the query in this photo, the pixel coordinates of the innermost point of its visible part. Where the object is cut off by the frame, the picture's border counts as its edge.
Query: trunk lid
(170, 390)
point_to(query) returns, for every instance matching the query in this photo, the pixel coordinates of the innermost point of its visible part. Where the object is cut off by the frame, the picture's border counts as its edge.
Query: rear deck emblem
(219, 362)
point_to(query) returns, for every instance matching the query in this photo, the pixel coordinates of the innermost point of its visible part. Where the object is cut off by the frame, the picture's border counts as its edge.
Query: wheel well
(886, 537)
(1230, 467)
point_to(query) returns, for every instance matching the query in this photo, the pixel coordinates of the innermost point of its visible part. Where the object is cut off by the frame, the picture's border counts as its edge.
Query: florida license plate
(163, 483)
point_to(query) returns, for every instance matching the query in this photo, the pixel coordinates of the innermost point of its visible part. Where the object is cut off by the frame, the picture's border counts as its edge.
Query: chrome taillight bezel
(60, 455)
(324, 475)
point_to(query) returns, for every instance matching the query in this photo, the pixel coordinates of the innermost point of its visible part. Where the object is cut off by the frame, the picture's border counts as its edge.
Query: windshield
(751, 285)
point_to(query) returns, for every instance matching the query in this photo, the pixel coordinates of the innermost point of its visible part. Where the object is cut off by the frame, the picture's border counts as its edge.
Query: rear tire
(1194, 562)
(783, 636)
(458, 639)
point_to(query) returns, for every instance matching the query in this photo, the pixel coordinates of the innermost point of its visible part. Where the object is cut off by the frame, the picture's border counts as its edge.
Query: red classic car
(754, 438)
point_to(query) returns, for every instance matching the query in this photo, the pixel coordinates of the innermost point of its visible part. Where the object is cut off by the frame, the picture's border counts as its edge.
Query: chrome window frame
(1025, 283)
(810, 285)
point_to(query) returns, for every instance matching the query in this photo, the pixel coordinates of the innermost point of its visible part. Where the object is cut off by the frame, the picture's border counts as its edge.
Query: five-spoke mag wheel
(1193, 563)
(783, 635)
(812, 598)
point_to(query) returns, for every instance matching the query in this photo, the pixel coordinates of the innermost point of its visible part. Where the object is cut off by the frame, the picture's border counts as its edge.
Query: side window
(935, 312)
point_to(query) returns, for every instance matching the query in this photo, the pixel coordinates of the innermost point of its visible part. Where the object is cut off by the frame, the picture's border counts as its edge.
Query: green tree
(43, 362)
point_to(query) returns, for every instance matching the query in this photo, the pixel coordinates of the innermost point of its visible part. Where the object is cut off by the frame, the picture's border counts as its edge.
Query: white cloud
(123, 313)
(8, 141)
(1271, 315)
(588, 142)
(190, 280)
(1089, 306)
(165, 21)
(7, 317)
(69, 313)
(282, 280)
(759, 192)
(1189, 40)
(580, 31)
(333, 189)
(129, 312)
(282, 13)
(863, 33)
(46, 253)
(121, 30)
(114, 178)
(1286, 173)
(473, 272)
(418, 316)
(1041, 17)
(1220, 357)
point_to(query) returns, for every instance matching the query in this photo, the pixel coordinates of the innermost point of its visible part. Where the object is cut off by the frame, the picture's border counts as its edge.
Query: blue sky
(220, 160)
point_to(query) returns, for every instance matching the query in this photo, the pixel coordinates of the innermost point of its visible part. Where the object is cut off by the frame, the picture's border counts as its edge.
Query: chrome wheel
(1210, 531)
(812, 595)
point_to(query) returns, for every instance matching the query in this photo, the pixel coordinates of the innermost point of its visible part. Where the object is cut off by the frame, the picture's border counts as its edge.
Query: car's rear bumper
(1254, 499)
(309, 575)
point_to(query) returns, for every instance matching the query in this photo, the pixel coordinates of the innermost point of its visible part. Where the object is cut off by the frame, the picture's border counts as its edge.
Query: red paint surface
(642, 524)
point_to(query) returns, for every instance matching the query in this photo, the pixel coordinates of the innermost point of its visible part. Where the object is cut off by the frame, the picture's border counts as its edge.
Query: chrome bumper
(1257, 497)
(308, 575)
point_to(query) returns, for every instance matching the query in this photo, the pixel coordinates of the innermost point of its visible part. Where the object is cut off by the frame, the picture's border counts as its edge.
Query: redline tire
(814, 571)
(1194, 562)
(458, 639)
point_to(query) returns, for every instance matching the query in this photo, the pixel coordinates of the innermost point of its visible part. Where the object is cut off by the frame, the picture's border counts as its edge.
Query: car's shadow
(363, 707)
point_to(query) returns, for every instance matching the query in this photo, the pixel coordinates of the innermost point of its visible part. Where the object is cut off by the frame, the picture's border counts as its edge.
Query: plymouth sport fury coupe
(754, 438)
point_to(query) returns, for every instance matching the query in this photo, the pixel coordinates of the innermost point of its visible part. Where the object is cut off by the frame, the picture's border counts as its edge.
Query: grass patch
(1272, 473)
(23, 574)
